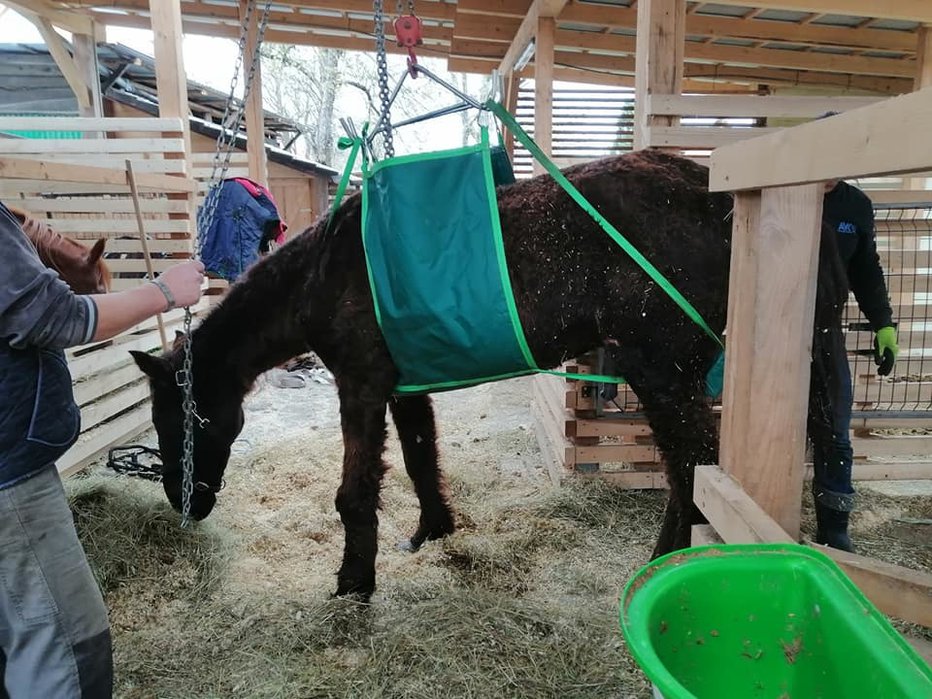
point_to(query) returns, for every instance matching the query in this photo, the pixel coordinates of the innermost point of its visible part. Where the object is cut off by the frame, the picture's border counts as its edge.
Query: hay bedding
(520, 602)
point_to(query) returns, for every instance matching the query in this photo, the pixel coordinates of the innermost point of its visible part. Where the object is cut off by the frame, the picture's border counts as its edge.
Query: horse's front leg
(414, 420)
(362, 416)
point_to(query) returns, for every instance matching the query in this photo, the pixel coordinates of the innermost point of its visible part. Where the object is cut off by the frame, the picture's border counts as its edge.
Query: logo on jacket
(846, 227)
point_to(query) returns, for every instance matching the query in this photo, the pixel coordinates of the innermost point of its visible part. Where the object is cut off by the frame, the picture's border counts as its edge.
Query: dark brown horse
(575, 291)
(83, 269)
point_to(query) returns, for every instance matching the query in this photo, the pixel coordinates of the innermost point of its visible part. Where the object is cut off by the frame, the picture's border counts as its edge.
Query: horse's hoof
(406, 545)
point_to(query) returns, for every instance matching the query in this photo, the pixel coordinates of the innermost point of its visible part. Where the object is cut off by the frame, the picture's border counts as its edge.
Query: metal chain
(382, 70)
(221, 163)
(186, 381)
(230, 123)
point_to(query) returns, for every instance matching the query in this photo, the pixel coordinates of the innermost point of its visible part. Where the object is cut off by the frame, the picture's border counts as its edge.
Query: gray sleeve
(37, 308)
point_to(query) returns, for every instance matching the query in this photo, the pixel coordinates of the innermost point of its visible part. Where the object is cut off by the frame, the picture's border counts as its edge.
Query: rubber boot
(832, 528)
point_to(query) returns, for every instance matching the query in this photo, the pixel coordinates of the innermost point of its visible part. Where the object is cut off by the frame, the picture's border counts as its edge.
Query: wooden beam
(255, 118)
(771, 306)
(170, 75)
(73, 22)
(85, 57)
(543, 87)
(752, 105)
(924, 58)
(59, 51)
(733, 514)
(906, 10)
(659, 60)
(528, 28)
(861, 143)
(900, 592)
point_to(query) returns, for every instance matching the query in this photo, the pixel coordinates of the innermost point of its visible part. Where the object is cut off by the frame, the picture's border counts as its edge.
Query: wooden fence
(80, 187)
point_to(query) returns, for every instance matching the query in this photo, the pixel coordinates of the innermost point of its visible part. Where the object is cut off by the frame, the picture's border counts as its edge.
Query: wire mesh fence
(904, 245)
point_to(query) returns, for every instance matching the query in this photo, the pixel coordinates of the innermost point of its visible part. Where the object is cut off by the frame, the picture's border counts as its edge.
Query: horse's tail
(827, 340)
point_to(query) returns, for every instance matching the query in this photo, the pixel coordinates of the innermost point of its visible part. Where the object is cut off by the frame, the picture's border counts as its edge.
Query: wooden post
(923, 79)
(771, 307)
(543, 86)
(512, 85)
(659, 53)
(255, 121)
(924, 58)
(170, 77)
(85, 56)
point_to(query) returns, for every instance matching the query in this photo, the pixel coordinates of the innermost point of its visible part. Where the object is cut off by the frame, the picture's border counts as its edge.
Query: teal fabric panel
(430, 233)
(502, 171)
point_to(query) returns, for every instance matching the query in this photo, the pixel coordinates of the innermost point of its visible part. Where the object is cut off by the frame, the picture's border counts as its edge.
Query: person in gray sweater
(54, 632)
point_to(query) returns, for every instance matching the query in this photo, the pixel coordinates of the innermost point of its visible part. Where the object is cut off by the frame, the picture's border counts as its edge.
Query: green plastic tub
(776, 621)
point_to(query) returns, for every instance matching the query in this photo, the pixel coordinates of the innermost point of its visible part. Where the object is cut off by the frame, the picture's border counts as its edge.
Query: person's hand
(184, 282)
(885, 350)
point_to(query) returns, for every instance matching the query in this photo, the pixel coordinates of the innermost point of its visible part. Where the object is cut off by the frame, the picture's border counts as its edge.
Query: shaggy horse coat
(575, 291)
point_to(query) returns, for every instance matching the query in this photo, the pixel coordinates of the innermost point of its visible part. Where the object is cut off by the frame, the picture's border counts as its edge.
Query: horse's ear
(154, 367)
(178, 342)
(97, 251)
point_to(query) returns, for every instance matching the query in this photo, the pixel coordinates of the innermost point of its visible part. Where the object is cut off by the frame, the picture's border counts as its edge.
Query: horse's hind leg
(362, 416)
(685, 432)
(414, 420)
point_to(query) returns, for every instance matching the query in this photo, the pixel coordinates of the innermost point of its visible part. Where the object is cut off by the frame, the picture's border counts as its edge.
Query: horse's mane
(47, 242)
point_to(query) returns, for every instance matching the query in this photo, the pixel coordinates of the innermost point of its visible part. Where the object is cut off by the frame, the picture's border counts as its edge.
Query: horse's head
(217, 423)
(83, 270)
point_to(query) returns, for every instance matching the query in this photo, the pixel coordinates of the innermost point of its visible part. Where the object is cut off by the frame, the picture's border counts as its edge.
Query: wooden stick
(131, 179)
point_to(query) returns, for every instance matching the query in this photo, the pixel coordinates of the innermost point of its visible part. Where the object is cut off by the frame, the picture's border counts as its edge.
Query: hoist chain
(229, 130)
(382, 70)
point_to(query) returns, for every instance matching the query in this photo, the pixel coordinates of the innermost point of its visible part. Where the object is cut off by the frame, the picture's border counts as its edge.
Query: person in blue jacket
(850, 213)
(54, 632)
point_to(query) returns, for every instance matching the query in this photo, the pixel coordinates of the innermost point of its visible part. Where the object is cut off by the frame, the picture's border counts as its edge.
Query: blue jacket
(39, 317)
(241, 226)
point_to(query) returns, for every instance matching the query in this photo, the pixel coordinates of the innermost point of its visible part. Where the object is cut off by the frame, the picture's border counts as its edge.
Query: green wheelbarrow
(768, 621)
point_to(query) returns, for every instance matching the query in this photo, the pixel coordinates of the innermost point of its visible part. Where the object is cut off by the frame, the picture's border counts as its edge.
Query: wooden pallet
(579, 438)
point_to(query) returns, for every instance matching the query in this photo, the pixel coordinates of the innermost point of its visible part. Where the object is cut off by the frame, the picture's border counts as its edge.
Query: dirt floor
(520, 602)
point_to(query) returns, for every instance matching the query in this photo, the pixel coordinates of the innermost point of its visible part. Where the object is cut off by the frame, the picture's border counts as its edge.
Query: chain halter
(229, 129)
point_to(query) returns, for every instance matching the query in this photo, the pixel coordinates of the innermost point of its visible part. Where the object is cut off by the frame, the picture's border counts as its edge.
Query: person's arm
(37, 309)
(179, 285)
(865, 274)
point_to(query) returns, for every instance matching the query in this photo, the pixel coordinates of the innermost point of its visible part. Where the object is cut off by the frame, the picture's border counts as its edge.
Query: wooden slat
(906, 445)
(611, 453)
(100, 384)
(629, 480)
(19, 168)
(701, 137)
(752, 105)
(109, 124)
(116, 402)
(101, 205)
(93, 147)
(123, 226)
(900, 592)
(97, 442)
(146, 165)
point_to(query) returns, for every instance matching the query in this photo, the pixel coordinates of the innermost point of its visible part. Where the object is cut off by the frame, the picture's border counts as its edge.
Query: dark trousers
(831, 484)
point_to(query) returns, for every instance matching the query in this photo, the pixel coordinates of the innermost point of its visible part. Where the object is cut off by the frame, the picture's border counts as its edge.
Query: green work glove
(885, 350)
